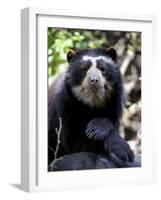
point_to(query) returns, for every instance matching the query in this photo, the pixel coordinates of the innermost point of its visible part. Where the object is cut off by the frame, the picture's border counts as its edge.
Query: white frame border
(29, 85)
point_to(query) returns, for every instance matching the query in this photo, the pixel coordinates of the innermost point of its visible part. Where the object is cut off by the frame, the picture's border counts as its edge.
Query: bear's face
(92, 75)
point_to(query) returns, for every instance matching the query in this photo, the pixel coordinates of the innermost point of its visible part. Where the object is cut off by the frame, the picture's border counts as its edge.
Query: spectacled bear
(88, 101)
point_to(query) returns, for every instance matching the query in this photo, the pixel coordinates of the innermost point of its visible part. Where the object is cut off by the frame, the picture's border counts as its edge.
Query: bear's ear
(111, 52)
(71, 54)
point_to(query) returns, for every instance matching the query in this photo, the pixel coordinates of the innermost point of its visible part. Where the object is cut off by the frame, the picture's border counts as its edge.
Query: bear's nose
(94, 80)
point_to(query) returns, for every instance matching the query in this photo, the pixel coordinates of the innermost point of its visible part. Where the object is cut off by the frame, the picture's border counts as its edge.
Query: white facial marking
(84, 93)
(94, 59)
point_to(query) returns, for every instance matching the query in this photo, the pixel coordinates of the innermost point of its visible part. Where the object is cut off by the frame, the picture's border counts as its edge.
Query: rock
(89, 160)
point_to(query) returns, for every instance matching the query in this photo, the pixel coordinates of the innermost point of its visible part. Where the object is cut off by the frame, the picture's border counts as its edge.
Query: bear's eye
(101, 67)
(86, 66)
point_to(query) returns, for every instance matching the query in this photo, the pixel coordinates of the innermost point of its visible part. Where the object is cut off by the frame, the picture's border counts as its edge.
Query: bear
(85, 106)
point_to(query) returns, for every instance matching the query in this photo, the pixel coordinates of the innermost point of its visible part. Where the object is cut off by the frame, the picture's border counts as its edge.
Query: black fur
(78, 119)
(102, 129)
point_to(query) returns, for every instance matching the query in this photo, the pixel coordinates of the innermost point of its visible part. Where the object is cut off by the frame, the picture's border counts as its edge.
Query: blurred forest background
(128, 47)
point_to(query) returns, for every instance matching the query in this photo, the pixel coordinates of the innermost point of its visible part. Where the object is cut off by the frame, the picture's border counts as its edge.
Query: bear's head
(93, 75)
